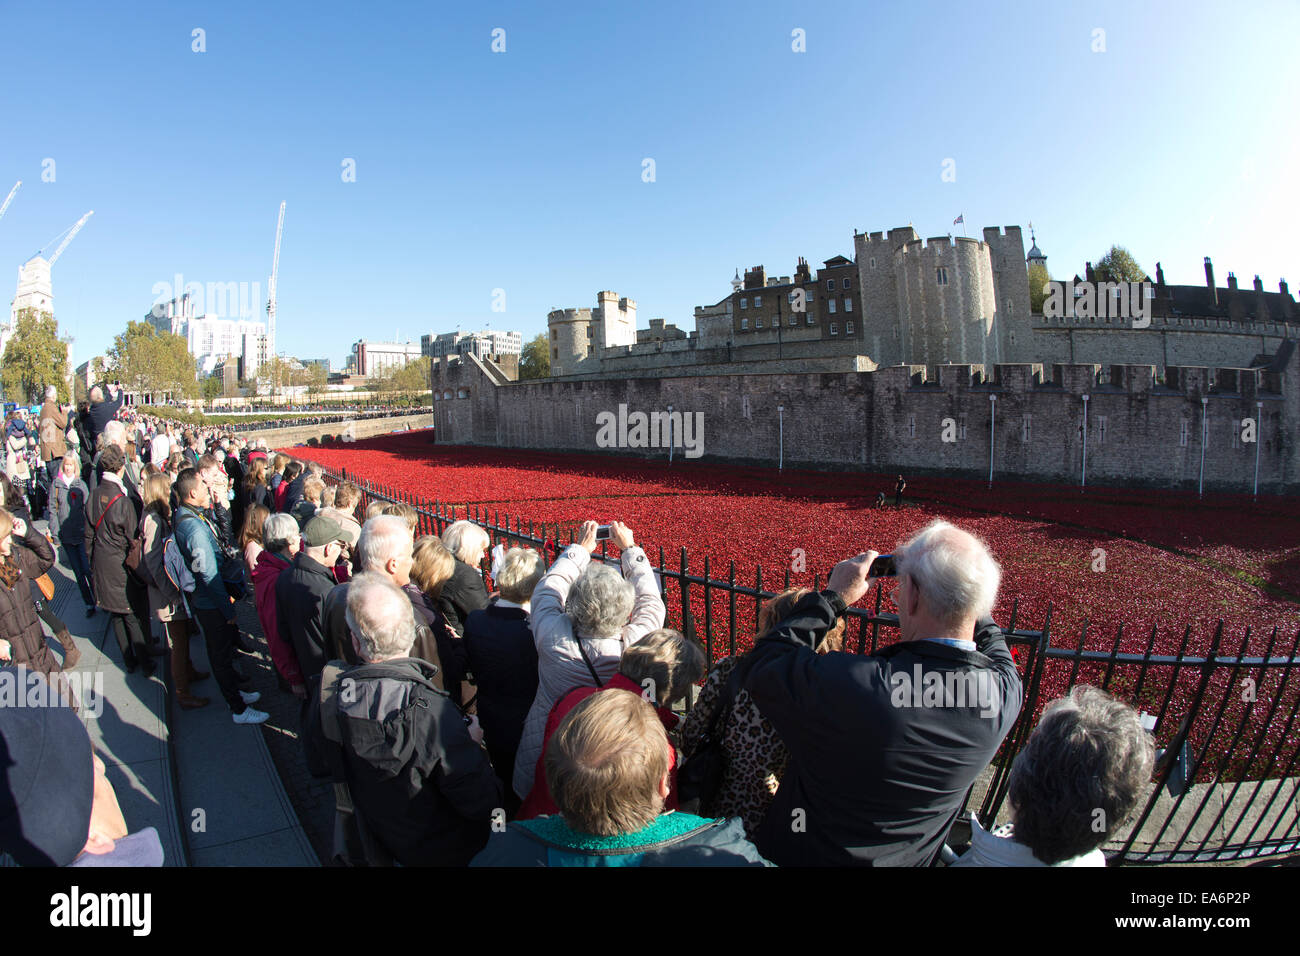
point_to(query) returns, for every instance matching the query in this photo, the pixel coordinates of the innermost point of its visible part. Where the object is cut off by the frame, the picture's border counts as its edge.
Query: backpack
(175, 567)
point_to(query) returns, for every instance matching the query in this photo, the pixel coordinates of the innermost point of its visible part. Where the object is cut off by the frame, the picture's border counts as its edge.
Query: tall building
(576, 334)
(212, 340)
(375, 358)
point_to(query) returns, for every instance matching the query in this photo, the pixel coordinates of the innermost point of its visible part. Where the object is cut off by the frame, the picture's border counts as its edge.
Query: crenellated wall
(1142, 429)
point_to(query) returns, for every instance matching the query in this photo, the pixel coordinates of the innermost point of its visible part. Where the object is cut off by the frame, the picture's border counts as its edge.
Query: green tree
(212, 387)
(151, 361)
(34, 358)
(535, 362)
(1118, 265)
(1038, 277)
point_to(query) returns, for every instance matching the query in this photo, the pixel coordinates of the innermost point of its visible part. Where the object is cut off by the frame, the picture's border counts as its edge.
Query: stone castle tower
(577, 335)
(941, 301)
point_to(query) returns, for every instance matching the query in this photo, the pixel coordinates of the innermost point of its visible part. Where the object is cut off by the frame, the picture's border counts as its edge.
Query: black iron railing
(1225, 786)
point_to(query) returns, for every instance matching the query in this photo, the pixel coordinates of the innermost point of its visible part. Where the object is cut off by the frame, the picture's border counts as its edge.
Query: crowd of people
(477, 707)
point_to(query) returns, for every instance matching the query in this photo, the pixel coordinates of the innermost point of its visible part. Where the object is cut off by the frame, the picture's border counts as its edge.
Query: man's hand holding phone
(850, 578)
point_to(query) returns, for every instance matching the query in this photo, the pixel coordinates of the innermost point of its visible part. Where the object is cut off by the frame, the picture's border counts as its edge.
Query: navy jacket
(502, 656)
(883, 747)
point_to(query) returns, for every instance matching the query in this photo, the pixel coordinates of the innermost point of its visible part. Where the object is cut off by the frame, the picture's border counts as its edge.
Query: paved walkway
(208, 785)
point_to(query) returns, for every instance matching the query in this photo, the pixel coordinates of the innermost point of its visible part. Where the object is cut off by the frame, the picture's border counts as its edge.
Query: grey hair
(279, 531)
(96, 395)
(600, 602)
(51, 392)
(465, 539)
(382, 537)
(953, 570)
(1080, 774)
(380, 617)
(520, 571)
(114, 433)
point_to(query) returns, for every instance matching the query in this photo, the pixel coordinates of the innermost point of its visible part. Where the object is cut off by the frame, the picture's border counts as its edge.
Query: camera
(882, 567)
(602, 533)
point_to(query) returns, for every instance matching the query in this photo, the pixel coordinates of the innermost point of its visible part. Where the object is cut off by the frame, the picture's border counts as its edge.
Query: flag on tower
(960, 219)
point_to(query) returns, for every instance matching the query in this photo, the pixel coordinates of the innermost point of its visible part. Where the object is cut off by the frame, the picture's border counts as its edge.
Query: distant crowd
(474, 706)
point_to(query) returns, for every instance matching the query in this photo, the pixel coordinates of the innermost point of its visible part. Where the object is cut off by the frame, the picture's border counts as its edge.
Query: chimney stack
(1232, 281)
(1087, 271)
(1259, 285)
(1281, 287)
(1160, 275)
(1209, 281)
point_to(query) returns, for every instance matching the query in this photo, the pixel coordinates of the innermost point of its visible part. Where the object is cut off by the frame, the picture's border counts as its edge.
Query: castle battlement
(569, 315)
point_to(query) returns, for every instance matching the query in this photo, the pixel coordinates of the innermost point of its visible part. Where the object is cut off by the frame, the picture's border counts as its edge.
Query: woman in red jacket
(661, 667)
(281, 541)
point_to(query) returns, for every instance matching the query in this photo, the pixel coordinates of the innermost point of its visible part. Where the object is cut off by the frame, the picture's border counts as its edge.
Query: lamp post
(1259, 427)
(993, 409)
(780, 425)
(671, 440)
(1084, 475)
(1200, 485)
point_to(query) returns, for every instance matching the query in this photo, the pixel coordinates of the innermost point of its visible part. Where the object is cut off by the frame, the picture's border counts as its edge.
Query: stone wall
(364, 428)
(1140, 431)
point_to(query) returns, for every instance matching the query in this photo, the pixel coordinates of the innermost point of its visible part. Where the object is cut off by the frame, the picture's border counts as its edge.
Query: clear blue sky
(523, 170)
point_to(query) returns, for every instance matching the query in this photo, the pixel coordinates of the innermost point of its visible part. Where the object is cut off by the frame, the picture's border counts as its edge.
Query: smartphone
(882, 567)
(602, 533)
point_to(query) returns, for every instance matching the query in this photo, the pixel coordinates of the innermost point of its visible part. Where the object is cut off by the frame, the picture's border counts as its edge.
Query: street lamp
(1084, 476)
(1200, 485)
(671, 440)
(1259, 428)
(993, 408)
(780, 424)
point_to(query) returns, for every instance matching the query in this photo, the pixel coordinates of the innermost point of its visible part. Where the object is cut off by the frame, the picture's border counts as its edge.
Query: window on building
(758, 301)
(911, 426)
(961, 427)
(789, 297)
(794, 320)
(846, 284)
(729, 309)
(758, 322)
(1236, 434)
(555, 353)
(744, 325)
(941, 275)
(1009, 309)
(848, 303)
(1182, 434)
(834, 329)
(744, 303)
(873, 262)
(831, 306)
(808, 299)
(1101, 429)
(554, 335)
(811, 319)
(1025, 428)
(848, 328)
(830, 285)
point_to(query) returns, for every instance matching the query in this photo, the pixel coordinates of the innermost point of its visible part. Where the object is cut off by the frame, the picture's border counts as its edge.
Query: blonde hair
(312, 488)
(405, 512)
(465, 540)
(346, 496)
(158, 492)
(778, 609)
(375, 509)
(605, 762)
(279, 461)
(6, 524)
(520, 572)
(433, 565)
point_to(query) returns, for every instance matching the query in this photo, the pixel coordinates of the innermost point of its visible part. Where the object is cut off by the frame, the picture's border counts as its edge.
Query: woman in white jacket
(583, 617)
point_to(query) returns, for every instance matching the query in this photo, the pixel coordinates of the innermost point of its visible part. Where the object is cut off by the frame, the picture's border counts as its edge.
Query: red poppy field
(1154, 562)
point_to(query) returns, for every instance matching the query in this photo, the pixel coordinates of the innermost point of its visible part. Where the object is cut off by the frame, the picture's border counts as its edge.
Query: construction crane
(275, 275)
(72, 234)
(9, 198)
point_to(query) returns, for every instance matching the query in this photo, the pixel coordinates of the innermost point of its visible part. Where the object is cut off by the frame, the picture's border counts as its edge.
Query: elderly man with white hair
(420, 784)
(53, 433)
(883, 747)
(102, 411)
(584, 616)
(385, 546)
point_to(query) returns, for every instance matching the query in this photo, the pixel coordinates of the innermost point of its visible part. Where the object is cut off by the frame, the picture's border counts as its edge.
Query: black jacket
(235, 472)
(294, 494)
(101, 413)
(111, 522)
(419, 781)
(879, 763)
(436, 643)
(463, 592)
(300, 593)
(503, 659)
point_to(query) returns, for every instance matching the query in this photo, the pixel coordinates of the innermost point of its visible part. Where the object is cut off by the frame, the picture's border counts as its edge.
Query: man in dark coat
(301, 590)
(883, 747)
(102, 411)
(421, 784)
(111, 523)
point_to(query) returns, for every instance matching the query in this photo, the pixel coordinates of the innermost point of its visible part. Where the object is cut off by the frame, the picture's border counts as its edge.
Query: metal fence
(1225, 787)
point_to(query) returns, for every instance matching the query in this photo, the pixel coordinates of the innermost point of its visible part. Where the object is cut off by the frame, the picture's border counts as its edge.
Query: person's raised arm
(648, 609)
(547, 609)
